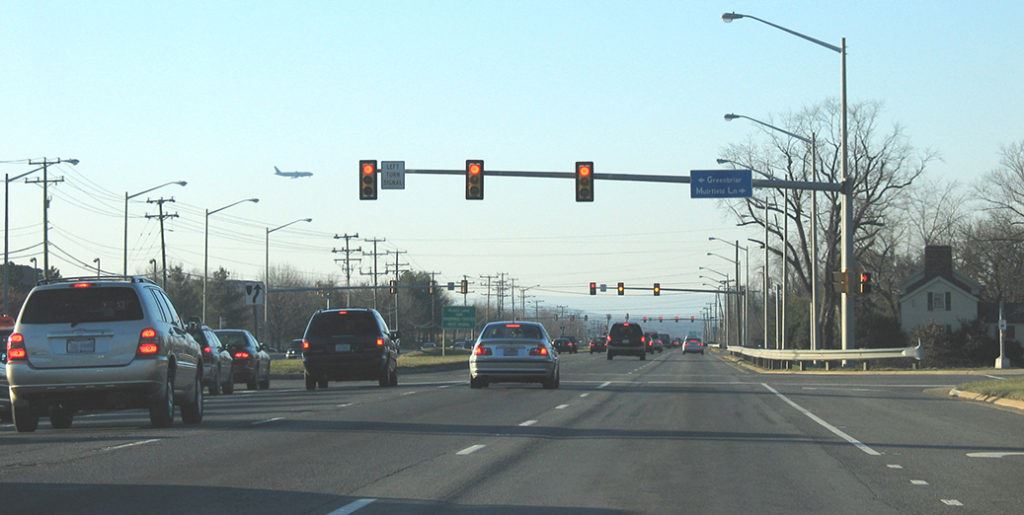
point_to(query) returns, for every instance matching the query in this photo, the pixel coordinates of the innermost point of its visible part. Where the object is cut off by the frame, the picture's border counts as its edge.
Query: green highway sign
(458, 317)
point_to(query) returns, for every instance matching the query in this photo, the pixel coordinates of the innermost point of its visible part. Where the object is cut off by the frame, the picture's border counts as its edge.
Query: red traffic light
(593, 288)
(474, 179)
(367, 179)
(584, 181)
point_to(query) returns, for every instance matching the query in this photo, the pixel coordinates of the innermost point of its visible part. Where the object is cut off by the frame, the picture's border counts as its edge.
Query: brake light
(625, 324)
(380, 342)
(148, 342)
(207, 350)
(482, 351)
(305, 344)
(643, 339)
(241, 355)
(513, 326)
(540, 350)
(16, 347)
(82, 285)
(609, 340)
(343, 312)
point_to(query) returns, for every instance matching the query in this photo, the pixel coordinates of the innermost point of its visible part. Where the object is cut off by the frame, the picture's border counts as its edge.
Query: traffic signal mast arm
(687, 290)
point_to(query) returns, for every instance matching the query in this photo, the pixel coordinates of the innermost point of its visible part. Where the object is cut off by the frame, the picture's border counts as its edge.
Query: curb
(987, 399)
(425, 369)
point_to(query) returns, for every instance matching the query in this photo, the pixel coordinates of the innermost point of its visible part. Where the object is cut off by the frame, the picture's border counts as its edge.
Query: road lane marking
(893, 466)
(951, 502)
(996, 377)
(835, 430)
(408, 393)
(528, 423)
(267, 421)
(583, 395)
(470, 450)
(347, 404)
(444, 386)
(352, 507)
(993, 454)
(606, 383)
(133, 444)
(562, 406)
(918, 482)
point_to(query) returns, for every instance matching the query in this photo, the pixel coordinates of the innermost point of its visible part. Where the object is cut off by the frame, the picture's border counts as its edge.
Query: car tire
(61, 418)
(552, 383)
(475, 383)
(610, 356)
(161, 410)
(253, 383)
(394, 376)
(215, 385)
(310, 382)
(25, 420)
(192, 411)
(265, 383)
(322, 383)
(228, 388)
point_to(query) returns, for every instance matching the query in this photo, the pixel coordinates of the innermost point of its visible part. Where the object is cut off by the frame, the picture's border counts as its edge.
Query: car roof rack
(93, 278)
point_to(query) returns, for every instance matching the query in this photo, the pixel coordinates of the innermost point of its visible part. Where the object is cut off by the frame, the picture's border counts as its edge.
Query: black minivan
(349, 344)
(626, 338)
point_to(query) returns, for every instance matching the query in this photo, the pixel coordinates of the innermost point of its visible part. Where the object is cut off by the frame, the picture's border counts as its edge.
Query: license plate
(511, 351)
(342, 347)
(625, 340)
(81, 345)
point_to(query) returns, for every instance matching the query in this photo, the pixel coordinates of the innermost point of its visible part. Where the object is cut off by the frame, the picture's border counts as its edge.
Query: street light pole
(97, 261)
(206, 246)
(46, 207)
(127, 197)
(266, 269)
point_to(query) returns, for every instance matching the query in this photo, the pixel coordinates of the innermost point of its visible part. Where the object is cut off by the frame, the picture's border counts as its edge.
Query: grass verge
(1007, 389)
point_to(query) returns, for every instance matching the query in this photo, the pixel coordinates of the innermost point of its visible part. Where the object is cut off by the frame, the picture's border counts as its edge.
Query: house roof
(917, 284)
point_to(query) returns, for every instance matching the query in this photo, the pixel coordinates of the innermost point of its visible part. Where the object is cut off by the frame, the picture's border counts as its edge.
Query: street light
(46, 207)
(128, 197)
(206, 245)
(155, 272)
(847, 259)
(97, 261)
(744, 309)
(266, 273)
(35, 268)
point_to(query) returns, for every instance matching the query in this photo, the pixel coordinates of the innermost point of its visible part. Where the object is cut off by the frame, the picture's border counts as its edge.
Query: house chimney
(938, 261)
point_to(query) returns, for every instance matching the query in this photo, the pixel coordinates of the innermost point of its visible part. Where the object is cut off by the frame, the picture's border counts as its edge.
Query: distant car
(100, 344)
(428, 346)
(565, 345)
(658, 345)
(217, 360)
(295, 350)
(693, 345)
(677, 342)
(598, 344)
(625, 338)
(251, 363)
(349, 345)
(514, 352)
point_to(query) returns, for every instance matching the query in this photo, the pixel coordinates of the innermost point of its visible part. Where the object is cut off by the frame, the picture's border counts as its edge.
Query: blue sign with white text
(721, 184)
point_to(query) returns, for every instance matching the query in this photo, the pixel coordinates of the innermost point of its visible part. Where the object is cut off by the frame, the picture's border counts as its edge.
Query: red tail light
(513, 326)
(609, 340)
(241, 355)
(643, 339)
(149, 344)
(207, 350)
(380, 342)
(82, 285)
(16, 347)
(540, 350)
(482, 351)
(305, 344)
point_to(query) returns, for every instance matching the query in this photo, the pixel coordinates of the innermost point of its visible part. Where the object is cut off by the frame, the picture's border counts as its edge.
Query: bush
(969, 346)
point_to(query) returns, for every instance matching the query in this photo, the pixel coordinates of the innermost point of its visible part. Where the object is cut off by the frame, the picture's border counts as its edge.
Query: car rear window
(79, 305)
(514, 331)
(233, 340)
(623, 331)
(337, 324)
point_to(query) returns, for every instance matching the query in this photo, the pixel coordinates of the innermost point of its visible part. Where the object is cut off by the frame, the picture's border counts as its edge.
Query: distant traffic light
(464, 287)
(584, 181)
(621, 288)
(693, 319)
(660, 319)
(394, 287)
(474, 179)
(865, 282)
(645, 319)
(677, 319)
(431, 288)
(593, 288)
(368, 179)
(657, 289)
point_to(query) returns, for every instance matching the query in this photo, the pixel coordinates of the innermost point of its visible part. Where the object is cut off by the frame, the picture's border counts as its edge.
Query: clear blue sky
(217, 93)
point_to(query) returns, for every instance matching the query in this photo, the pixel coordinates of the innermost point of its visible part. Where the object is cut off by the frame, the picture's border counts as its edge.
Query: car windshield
(359, 323)
(512, 331)
(81, 305)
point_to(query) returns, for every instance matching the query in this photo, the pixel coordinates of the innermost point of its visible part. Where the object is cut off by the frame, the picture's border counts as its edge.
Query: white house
(938, 294)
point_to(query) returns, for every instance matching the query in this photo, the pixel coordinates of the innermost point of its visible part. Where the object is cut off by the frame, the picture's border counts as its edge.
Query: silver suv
(101, 344)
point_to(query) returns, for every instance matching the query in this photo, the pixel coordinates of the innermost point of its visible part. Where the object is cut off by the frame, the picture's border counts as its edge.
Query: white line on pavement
(347, 404)
(583, 395)
(835, 430)
(528, 423)
(562, 406)
(951, 502)
(606, 383)
(133, 444)
(408, 393)
(470, 450)
(996, 377)
(267, 421)
(444, 386)
(993, 454)
(918, 482)
(894, 466)
(352, 507)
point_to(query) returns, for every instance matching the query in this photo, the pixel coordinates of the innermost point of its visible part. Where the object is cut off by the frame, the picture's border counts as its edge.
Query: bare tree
(1003, 188)
(882, 165)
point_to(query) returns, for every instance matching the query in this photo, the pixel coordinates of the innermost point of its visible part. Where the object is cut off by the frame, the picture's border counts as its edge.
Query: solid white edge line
(471, 449)
(994, 377)
(133, 444)
(267, 421)
(352, 507)
(528, 423)
(835, 430)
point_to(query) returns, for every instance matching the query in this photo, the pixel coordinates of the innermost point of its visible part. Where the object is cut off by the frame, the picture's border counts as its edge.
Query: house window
(935, 302)
(949, 299)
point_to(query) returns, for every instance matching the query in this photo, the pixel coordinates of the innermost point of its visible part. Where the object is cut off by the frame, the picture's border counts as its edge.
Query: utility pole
(397, 253)
(500, 295)
(348, 268)
(433, 297)
(163, 244)
(375, 241)
(536, 309)
(487, 316)
(512, 293)
(46, 207)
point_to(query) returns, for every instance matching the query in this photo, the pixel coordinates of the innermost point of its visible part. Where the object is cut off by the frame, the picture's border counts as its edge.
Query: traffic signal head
(474, 179)
(464, 287)
(431, 288)
(584, 181)
(865, 282)
(368, 179)
(621, 288)
(693, 319)
(394, 287)
(593, 288)
(657, 289)
(644, 319)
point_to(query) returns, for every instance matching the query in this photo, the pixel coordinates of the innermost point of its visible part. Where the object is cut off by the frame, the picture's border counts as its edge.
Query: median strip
(835, 430)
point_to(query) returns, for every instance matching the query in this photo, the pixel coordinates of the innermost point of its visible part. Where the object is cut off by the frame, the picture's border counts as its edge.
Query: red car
(598, 344)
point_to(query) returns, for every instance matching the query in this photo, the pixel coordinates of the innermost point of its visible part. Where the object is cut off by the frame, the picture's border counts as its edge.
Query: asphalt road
(674, 434)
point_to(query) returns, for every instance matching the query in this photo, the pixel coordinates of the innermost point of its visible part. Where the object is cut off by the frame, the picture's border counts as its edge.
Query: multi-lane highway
(676, 433)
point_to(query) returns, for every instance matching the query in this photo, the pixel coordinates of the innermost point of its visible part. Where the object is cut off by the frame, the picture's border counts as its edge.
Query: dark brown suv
(626, 338)
(349, 345)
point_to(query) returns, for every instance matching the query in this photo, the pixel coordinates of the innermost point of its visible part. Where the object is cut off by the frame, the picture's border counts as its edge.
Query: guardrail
(803, 355)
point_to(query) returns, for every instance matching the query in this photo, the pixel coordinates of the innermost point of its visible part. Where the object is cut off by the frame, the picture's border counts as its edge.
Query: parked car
(598, 344)
(626, 338)
(349, 345)
(99, 344)
(514, 352)
(217, 360)
(250, 361)
(428, 346)
(565, 345)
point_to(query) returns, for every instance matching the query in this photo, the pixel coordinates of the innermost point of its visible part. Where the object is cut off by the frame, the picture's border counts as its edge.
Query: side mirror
(395, 335)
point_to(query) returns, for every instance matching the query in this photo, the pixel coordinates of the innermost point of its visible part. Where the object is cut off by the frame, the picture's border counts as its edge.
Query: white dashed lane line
(951, 502)
(604, 384)
(894, 466)
(918, 482)
(352, 507)
(408, 393)
(347, 404)
(126, 445)
(528, 423)
(267, 421)
(471, 449)
(584, 395)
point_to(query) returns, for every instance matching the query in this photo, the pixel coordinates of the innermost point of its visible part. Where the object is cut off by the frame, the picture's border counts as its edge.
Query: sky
(218, 93)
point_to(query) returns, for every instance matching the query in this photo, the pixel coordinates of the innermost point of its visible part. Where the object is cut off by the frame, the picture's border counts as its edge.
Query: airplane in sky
(292, 175)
